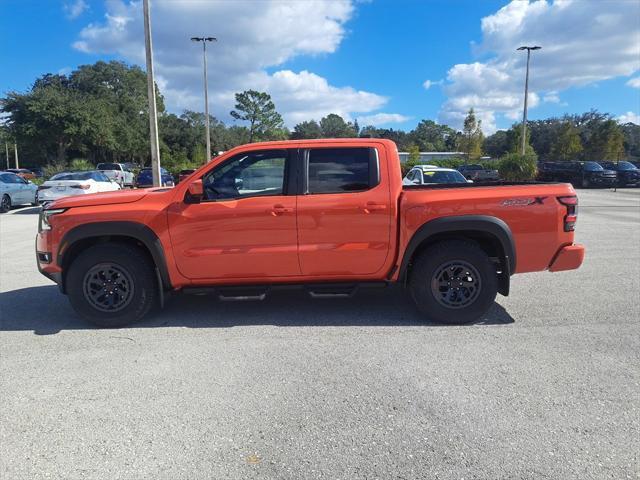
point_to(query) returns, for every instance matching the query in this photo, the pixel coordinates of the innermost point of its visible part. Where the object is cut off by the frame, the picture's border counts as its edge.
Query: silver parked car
(430, 174)
(15, 190)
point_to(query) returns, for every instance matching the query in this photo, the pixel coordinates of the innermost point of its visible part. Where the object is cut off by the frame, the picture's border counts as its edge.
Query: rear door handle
(279, 209)
(372, 206)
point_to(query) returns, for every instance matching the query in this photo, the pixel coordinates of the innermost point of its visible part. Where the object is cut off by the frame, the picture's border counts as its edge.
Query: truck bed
(531, 210)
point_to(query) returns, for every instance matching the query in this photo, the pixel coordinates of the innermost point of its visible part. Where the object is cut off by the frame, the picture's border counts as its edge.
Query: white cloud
(253, 39)
(551, 97)
(583, 42)
(382, 119)
(629, 117)
(427, 84)
(634, 82)
(74, 9)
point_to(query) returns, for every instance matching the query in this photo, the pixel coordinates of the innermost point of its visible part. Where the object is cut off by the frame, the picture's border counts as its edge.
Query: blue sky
(365, 60)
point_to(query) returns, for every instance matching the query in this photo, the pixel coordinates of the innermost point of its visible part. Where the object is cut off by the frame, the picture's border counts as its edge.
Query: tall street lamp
(204, 41)
(151, 94)
(526, 94)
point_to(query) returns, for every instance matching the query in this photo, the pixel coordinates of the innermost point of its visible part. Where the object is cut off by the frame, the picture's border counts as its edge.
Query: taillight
(83, 187)
(572, 212)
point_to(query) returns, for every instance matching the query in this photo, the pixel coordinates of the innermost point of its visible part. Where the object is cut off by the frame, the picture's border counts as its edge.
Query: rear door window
(339, 170)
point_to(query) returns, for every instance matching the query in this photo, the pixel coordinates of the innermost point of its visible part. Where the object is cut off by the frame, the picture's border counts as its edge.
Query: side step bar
(260, 292)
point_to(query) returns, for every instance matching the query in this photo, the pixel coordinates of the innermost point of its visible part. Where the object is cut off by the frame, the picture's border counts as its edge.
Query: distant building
(425, 157)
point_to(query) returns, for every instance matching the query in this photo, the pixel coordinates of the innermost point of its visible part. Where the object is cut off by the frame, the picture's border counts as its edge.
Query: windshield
(592, 166)
(443, 177)
(73, 176)
(626, 166)
(109, 166)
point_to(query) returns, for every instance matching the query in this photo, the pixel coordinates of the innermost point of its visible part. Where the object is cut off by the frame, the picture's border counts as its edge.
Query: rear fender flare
(484, 224)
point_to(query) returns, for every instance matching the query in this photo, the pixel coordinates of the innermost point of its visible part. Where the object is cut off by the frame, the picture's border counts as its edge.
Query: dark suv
(627, 172)
(580, 174)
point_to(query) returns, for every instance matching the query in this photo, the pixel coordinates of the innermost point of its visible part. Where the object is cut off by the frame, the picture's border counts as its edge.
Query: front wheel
(112, 285)
(5, 203)
(453, 282)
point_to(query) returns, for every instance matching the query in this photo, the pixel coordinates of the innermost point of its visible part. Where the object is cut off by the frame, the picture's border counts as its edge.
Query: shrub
(52, 168)
(514, 167)
(80, 164)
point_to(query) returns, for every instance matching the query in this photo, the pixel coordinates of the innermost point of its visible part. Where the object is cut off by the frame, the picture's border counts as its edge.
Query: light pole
(151, 94)
(15, 149)
(526, 94)
(204, 41)
(6, 149)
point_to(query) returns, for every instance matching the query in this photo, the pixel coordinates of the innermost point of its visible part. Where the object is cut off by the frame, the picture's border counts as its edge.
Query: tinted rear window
(73, 176)
(108, 166)
(334, 170)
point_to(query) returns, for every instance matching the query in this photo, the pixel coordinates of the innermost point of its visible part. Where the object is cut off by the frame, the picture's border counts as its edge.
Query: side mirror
(196, 190)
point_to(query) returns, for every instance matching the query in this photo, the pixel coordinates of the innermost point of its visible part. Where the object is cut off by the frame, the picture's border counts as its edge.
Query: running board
(331, 291)
(240, 293)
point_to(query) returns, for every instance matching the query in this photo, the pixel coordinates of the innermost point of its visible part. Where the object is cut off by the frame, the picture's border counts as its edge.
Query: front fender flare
(134, 230)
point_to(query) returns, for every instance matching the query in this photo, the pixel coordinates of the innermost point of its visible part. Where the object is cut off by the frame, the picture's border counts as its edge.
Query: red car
(22, 172)
(330, 216)
(185, 173)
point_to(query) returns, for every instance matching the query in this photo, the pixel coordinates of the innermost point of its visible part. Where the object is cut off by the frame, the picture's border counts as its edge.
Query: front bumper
(569, 257)
(47, 266)
(607, 181)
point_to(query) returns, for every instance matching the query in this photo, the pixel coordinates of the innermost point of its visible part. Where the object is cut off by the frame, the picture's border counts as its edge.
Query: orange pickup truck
(329, 216)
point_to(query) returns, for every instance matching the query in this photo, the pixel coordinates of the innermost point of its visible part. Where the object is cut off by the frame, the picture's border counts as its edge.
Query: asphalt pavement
(547, 385)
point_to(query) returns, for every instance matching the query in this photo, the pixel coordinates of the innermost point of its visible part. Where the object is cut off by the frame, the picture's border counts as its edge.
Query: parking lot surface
(547, 385)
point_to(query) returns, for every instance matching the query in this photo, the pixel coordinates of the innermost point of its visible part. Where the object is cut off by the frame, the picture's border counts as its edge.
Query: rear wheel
(453, 282)
(112, 285)
(5, 203)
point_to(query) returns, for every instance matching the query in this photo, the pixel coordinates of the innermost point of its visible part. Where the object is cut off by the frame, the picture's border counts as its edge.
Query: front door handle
(279, 209)
(372, 206)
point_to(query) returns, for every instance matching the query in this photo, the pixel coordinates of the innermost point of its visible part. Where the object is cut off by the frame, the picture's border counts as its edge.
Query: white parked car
(66, 184)
(118, 172)
(431, 174)
(15, 190)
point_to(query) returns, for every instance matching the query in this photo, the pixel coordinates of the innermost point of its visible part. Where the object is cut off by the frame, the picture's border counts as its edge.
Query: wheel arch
(84, 236)
(492, 234)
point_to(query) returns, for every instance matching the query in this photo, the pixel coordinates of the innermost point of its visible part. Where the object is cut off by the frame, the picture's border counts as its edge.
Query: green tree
(431, 136)
(631, 133)
(567, 145)
(472, 137)
(606, 143)
(334, 126)
(258, 109)
(414, 154)
(514, 140)
(309, 129)
(497, 144)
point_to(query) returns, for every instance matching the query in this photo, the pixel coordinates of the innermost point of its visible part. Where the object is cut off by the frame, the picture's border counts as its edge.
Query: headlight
(45, 218)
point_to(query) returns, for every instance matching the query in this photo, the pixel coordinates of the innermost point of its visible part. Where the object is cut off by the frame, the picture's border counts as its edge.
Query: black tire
(5, 203)
(440, 266)
(126, 270)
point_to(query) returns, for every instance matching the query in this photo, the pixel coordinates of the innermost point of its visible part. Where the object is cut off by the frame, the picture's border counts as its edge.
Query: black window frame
(288, 188)
(374, 170)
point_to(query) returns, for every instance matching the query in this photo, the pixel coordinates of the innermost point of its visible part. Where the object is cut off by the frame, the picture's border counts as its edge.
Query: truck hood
(105, 198)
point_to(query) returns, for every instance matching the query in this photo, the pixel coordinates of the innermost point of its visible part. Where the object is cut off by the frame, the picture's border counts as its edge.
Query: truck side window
(249, 174)
(336, 170)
